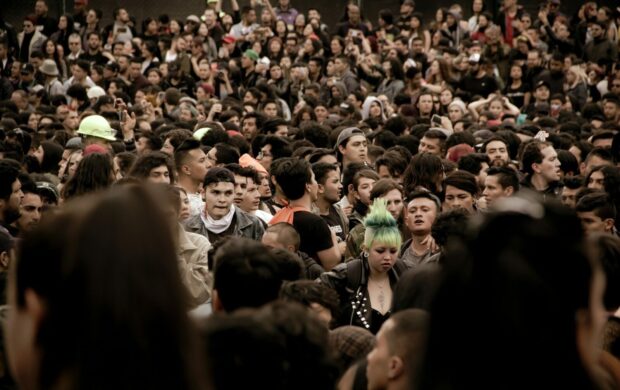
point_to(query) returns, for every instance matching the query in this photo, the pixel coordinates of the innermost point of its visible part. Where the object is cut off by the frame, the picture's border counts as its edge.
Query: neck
(92, 25)
(416, 242)
(323, 205)
(304, 201)
(377, 276)
(539, 183)
(189, 185)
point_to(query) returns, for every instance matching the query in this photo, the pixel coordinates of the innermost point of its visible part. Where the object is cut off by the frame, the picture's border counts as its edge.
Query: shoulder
(199, 240)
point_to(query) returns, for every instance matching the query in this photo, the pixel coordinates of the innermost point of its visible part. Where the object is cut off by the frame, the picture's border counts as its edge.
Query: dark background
(331, 10)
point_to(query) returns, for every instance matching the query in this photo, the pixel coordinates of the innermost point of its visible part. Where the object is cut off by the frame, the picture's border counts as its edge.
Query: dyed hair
(381, 226)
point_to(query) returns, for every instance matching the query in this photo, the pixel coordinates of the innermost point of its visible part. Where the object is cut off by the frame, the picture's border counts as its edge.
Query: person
(96, 130)
(297, 181)
(421, 210)
(31, 209)
(283, 236)
(154, 167)
(365, 284)
(318, 298)
(191, 167)
(434, 142)
(220, 217)
(461, 192)
(500, 182)
(54, 317)
(597, 213)
(517, 252)
(361, 188)
(497, 150)
(244, 262)
(94, 173)
(352, 146)
(542, 168)
(396, 359)
(328, 195)
(11, 195)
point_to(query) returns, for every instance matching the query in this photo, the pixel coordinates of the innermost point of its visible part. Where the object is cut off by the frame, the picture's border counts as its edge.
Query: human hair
(286, 233)
(600, 152)
(599, 203)
(407, 337)
(424, 170)
(181, 152)
(573, 182)
(271, 126)
(424, 194)
(439, 135)
(606, 248)
(307, 292)
(218, 175)
(292, 176)
(472, 162)
(95, 332)
(316, 133)
(611, 179)
(279, 146)
(93, 173)
(321, 170)
(506, 177)
(449, 224)
(143, 166)
(365, 173)
(393, 161)
(532, 154)
(349, 173)
(383, 187)
(226, 153)
(509, 264)
(462, 180)
(290, 265)
(247, 263)
(8, 176)
(381, 227)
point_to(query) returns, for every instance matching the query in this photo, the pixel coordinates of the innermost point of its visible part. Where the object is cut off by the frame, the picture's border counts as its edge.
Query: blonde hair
(381, 226)
(581, 76)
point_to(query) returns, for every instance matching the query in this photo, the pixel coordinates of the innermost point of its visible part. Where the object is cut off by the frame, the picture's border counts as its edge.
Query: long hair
(115, 318)
(94, 173)
(424, 170)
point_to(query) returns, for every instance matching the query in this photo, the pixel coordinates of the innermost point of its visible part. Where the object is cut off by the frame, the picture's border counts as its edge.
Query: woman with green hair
(365, 283)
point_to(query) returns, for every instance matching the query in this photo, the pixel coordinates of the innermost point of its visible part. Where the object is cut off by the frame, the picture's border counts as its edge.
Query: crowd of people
(253, 198)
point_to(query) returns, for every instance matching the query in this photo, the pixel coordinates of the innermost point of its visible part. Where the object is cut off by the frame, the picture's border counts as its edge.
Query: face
(542, 93)
(381, 257)
(321, 113)
(395, 203)
(596, 181)
(219, 198)
(93, 41)
(265, 157)
(12, 206)
(375, 110)
(569, 197)
(420, 215)
(28, 27)
(196, 165)
(430, 145)
(154, 78)
(362, 192)
(39, 154)
(263, 188)
(332, 188)
(455, 113)
(592, 223)
(159, 175)
(355, 149)
(271, 110)
(378, 368)
(425, 104)
(251, 198)
(496, 108)
(493, 190)
(549, 168)
(184, 211)
(135, 70)
(241, 186)
(498, 153)
(275, 72)
(30, 212)
(249, 129)
(458, 199)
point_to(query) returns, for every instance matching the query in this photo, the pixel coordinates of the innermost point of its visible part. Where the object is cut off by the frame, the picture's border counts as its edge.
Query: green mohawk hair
(380, 226)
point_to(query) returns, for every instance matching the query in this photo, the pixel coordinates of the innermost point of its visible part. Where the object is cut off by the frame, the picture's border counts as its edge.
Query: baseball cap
(346, 134)
(541, 83)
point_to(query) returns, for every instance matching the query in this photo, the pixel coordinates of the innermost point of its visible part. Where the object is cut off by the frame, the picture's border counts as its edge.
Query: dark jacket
(312, 269)
(246, 225)
(350, 281)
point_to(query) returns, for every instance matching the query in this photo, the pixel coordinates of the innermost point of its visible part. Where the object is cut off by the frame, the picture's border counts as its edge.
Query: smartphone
(436, 119)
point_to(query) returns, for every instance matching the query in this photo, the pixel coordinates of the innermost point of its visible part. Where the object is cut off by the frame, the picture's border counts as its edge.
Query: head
(382, 239)
(154, 167)
(434, 142)
(461, 191)
(390, 191)
(352, 146)
(11, 194)
(219, 187)
(597, 213)
(328, 179)
(362, 185)
(497, 150)
(421, 210)
(540, 159)
(501, 182)
(191, 161)
(296, 179)
(30, 210)
(281, 236)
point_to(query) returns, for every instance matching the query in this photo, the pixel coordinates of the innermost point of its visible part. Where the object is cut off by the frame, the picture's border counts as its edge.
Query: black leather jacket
(350, 281)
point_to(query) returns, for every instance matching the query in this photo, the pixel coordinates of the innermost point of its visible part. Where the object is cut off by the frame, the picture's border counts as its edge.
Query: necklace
(381, 296)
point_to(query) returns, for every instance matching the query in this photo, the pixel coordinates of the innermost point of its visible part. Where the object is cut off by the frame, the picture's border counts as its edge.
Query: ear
(508, 191)
(185, 169)
(535, 168)
(216, 303)
(5, 260)
(582, 168)
(396, 367)
(341, 149)
(321, 188)
(609, 224)
(34, 305)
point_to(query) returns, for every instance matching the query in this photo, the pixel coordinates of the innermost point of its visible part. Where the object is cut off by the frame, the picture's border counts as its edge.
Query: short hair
(349, 173)
(600, 152)
(383, 187)
(286, 233)
(218, 175)
(532, 154)
(493, 139)
(247, 172)
(568, 161)
(226, 154)
(407, 337)
(598, 202)
(183, 150)
(307, 292)
(506, 177)
(394, 161)
(279, 146)
(365, 173)
(381, 226)
(271, 126)
(292, 176)
(437, 134)
(321, 170)
(245, 262)
(153, 141)
(472, 162)
(424, 194)
(573, 182)
(8, 176)
(462, 180)
(146, 163)
(449, 224)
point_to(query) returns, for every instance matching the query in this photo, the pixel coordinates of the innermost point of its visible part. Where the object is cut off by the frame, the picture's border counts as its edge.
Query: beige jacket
(193, 263)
